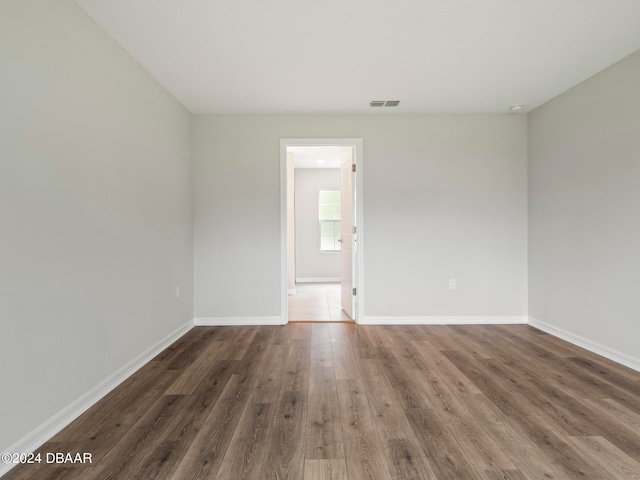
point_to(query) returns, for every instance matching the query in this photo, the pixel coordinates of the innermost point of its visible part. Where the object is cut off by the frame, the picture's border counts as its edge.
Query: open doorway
(321, 212)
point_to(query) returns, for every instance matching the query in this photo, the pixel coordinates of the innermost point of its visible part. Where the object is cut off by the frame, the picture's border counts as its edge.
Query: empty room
(319, 240)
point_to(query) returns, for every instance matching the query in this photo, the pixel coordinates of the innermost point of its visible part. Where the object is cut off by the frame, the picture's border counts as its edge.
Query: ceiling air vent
(384, 103)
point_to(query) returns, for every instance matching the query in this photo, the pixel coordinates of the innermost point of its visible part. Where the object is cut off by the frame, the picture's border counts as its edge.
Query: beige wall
(444, 197)
(584, 204)
(95, 229)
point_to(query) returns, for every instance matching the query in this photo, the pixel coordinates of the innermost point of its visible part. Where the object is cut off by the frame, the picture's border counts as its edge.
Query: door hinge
(354, 229)
(354, 291)
(353, 167)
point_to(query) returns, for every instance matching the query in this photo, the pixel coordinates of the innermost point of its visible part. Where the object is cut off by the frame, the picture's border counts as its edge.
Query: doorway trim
(315, 142)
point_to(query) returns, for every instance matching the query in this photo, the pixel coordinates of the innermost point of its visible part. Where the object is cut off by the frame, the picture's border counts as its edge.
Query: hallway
(316, 302)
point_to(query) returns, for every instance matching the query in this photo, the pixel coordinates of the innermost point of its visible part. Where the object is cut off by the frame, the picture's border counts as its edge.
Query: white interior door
(348, 237)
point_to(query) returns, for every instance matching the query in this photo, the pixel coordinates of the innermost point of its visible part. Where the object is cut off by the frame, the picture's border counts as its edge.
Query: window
(329, 213)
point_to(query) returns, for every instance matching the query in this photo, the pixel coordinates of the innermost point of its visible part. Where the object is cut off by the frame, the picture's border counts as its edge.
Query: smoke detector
(516, 107)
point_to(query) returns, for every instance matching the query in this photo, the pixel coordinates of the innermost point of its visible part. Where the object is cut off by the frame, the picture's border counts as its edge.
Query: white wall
(444, 197)
(584, 202)
(310, 262)
(95, 227)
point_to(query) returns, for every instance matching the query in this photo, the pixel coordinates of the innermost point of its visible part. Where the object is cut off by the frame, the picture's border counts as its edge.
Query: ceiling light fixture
(516, 107)
(320, 161)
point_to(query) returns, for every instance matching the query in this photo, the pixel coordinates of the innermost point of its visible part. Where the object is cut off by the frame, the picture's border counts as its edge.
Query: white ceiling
(277, 56)
(318, 156)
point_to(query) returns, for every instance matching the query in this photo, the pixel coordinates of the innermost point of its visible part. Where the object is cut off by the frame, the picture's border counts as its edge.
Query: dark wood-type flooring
(342, 401)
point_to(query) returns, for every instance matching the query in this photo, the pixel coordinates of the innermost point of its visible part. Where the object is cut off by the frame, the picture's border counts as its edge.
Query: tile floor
(317, 302)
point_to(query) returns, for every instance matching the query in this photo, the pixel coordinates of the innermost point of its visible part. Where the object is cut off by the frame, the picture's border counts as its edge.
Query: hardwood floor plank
(282, 335)
(38, 472)
(409, 355)
(204, 457)
(439, 446)
(467, 336)
(173, 444)
(362, 346)
(186, 355)
(377, 336)
(616, 413)
(192, 376)
(560, 349)
(444, 340)
(384, 401)
(325, 470)
(159, 463)
(559, 375)
(512, 440)
(363, 450)
(184, 343)
(403, 454)
(248, 447)
(321, 356)
(503, 475)
(269, 380)
(238, 342)
(607, 457)
(285, 458)
(410, 393)
(558, 409)
(405, 461)
(255, 354)
(300, 330)
(232, 334)
(479, 447)
(344, 360)
(295, 367)
(575, 417)
(557, 450)
(490, 386)
(414, 333)
(447, 371)
(324, 432)
(566, 370)
(124, 459)
(603, 371)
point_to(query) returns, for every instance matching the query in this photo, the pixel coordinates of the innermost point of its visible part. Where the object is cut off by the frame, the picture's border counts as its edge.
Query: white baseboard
(318, 279)
(595, 347)
(230, 321)
(44, 432)
(445, 320)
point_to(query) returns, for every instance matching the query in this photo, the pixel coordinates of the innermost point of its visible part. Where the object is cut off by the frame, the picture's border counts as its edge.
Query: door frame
(358, 158)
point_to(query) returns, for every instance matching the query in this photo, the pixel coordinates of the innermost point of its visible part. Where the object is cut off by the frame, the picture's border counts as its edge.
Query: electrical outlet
(452, 283)
(177, 292)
